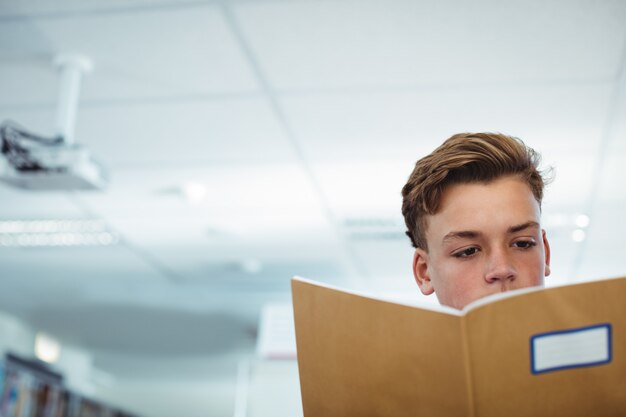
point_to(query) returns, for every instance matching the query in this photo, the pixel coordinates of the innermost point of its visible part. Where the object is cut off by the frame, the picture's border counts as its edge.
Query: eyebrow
(523, 226)
(472, 234)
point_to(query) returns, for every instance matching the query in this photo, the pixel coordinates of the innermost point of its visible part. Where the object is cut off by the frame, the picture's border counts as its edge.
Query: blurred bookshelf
(31, 389)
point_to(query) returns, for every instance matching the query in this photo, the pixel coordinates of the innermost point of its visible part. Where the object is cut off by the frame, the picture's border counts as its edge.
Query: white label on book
(573, 348)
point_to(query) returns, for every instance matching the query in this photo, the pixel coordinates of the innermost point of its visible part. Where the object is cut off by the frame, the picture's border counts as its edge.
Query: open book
(533, 352)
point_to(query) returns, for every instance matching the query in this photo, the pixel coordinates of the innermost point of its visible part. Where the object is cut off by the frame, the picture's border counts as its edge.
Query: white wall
(169, 398)
(265, 388)
(273, 389)
(15, 336)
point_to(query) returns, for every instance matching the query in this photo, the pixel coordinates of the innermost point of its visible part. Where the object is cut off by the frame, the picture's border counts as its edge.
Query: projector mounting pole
(71, 69)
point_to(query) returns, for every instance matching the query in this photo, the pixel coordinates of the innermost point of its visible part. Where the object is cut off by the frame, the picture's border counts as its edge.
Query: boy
(472, 208)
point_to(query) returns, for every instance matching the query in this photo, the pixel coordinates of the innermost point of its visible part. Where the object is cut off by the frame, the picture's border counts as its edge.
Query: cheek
(460, 278)
(535, 273)
(461, 269)
(464, 290)
(533, 268)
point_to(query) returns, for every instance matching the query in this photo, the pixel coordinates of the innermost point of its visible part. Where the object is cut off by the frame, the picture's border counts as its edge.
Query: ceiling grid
(355, 274)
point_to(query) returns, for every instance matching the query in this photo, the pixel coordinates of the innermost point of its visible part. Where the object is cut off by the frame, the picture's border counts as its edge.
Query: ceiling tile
(357, 188)
(407, 125)
(16, 204)
(607, 223)
(611, 188)
(243, 190)
(603, 251)
(150, 53)
(166, 134)
(187, 132)
(572, 178)
(255, 227)
(563, 256)
(329, 44)
(247, 212)
(36, 277)
(12, 9)
(27, 83)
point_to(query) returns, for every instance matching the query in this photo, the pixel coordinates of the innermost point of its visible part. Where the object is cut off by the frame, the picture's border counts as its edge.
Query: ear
(546, 248)
(420, 272)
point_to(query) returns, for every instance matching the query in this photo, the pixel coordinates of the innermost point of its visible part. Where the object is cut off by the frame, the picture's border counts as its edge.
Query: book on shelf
(28, 388)
(557, 351)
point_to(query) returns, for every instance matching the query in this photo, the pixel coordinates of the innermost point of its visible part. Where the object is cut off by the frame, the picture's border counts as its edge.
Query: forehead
(494, 205)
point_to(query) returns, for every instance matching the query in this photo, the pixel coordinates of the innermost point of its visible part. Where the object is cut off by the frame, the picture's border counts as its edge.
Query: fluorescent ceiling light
(60, 233)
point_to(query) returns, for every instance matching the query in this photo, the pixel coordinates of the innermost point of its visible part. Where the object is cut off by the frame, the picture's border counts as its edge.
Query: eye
(467, 252)
(524, 244)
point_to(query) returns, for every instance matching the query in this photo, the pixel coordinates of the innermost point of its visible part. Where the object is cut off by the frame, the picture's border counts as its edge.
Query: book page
(514, 293)
(389, 299)
(555, 352)
(492, 298)
(359, 356)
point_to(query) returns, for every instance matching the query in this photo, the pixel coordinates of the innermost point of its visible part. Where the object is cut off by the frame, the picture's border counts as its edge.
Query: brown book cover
(532, 352)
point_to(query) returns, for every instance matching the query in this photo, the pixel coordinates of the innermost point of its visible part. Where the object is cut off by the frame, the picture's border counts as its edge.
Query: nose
(500, 267)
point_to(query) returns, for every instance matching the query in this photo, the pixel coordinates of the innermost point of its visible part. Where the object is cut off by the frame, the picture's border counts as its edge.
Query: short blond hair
(465, 158)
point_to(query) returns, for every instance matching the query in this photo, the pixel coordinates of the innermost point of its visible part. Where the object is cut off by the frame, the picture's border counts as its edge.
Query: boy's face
(485, 239)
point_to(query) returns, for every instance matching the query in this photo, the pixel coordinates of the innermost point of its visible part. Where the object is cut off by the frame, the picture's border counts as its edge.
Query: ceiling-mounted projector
(35, 162)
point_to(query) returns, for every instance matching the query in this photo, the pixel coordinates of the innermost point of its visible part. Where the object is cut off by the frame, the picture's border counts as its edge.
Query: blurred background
(250, 141)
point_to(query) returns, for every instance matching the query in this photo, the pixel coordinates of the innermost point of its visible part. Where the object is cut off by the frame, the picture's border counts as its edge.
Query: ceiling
(300, 121)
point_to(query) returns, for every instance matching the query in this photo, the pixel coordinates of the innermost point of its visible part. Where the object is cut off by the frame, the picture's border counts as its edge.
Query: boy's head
(472, 209)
